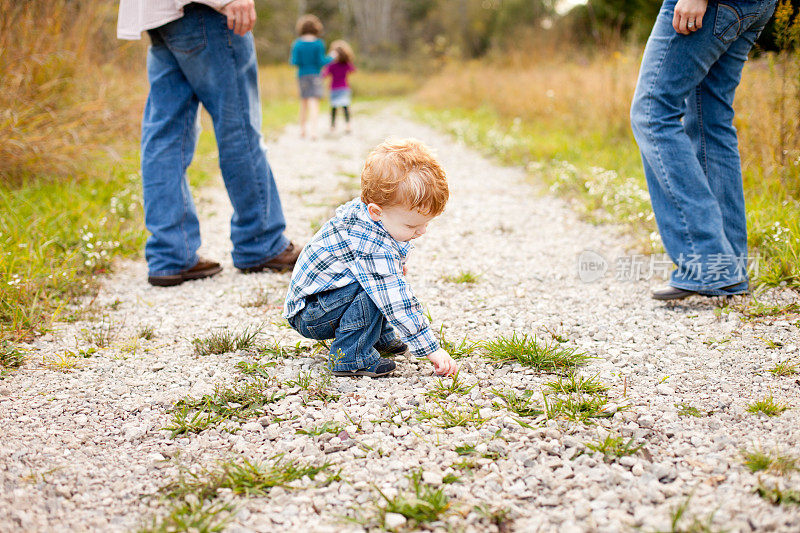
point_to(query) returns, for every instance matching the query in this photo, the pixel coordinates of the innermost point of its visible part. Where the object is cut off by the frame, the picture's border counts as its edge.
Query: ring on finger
(690, 24)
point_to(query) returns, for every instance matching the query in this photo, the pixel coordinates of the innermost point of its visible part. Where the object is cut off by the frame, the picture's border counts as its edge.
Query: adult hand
(688, 15)
(241, 16)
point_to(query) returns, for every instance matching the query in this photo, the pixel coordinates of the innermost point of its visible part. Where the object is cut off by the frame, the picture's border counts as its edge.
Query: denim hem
(715, 289)
(284, 244)
(358, 364)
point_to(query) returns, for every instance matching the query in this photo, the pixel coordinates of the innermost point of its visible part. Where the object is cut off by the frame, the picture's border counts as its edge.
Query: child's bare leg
(303, 115)
(313, 111)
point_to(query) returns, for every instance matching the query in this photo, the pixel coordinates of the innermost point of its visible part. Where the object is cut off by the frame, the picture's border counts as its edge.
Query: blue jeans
(682, 118)
(197, 59)
(352, 320)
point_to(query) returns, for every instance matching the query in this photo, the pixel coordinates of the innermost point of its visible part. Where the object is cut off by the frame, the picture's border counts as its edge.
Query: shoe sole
(362, 373)
(668, 298)
(262, 268)
(171, 281)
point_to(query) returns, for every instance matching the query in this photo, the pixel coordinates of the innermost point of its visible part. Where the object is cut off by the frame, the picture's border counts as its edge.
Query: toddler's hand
(405, 270)
(443, 364)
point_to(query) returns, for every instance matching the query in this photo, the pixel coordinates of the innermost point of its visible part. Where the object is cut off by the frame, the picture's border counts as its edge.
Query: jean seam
(183, 189)
(701, 129)
(650, 134)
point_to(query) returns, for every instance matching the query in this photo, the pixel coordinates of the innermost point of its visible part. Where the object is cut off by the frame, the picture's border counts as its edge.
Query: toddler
(338, 70)
(349, 282)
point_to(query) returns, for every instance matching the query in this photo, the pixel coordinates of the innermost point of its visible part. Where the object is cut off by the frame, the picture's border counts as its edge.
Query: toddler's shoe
(381, 367)
(396, 347)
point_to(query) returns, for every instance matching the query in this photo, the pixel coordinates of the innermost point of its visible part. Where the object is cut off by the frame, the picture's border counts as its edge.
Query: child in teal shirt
(308, 55)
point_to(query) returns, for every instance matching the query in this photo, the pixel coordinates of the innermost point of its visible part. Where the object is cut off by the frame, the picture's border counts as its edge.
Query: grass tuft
(577, 408)
(778, 496)
(685, 409)
(759, 460)
(11, 357)
(465, 276)
(146, 332)
(237, 402)
(784, 368)
(614, 446)
(767, 406)
(442, 390)
(226, 341)
(64, 361)
(529, 351)
(193, 515)
(241, 476)
(422, 503)
(462, 349)
(316, 386)
(574, 382)
(521, 404)
(452, 417)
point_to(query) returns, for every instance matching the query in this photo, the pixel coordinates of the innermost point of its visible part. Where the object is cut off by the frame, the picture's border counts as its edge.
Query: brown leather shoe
(203, 269)
(280, 263)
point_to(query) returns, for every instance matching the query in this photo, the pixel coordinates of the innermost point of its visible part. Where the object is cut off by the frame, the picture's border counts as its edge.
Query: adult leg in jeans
(685, 199)
(709, 120)
(223, 73)
(168, 141)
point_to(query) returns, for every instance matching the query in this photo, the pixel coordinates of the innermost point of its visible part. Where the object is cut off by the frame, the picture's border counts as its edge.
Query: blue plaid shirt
(351, 247)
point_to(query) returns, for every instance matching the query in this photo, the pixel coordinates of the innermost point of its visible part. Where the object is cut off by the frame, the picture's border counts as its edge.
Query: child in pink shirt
(338, 71)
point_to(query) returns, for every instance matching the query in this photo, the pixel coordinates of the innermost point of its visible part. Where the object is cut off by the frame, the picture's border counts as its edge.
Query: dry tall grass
(65, 89)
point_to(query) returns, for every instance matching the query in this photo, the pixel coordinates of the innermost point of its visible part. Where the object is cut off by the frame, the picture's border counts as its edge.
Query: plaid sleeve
(380, 274)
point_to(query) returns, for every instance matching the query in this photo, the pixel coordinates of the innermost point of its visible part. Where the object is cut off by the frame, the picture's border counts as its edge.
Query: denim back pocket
(187, 35)
(731, 20)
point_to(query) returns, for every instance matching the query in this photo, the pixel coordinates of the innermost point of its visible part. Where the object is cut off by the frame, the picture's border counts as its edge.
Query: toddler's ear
(375, 212)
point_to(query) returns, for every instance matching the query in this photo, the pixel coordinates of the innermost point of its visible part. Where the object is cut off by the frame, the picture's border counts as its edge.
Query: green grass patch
(193, 515)
(56, 237)
(787, 367)
(614, 446)
(576, 407)
(522, 404)
(465, 276)
(421, 503)
(759, 460)
(327, 427)
(316, 386)
(241, 476)
(754, 309)
(574, 382)
(685, 409)
(456, 350)
(546, 356)
(442, 389)
(259, 369)
(767, 406)
(779, 496)
(11, 357)
(227, 341)
(237, 402)
(448, 417)
(681, 523)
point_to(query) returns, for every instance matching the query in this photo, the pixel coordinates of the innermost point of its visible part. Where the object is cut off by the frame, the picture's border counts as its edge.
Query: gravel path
(82, 449)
